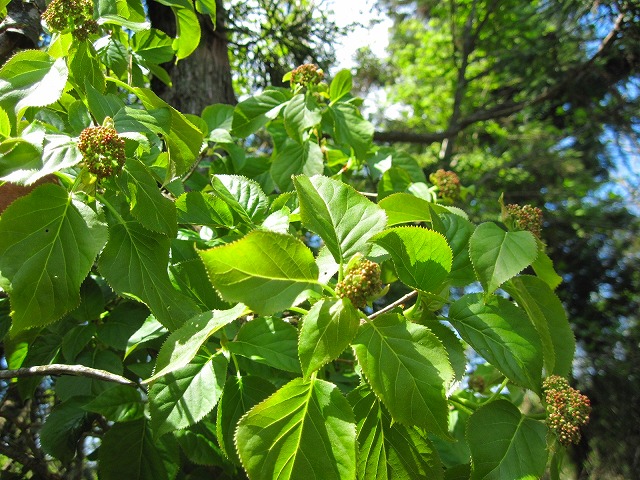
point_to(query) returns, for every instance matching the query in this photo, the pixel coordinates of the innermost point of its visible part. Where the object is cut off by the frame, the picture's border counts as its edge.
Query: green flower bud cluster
(447, 182)
(102, 149)
(526, 217)
(74, 16)
(567, 409)
(306, 75)
(361, 283)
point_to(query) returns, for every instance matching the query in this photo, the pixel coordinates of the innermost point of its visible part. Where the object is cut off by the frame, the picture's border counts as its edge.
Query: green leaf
(268, 340)
(198, 443)
(350, 129)
(5, 124)
(550, 320)
(148, 331)
(453, 346)
(187, 27)
(343, 218)
(200, 208)
(63, 429)
(387, 157)
(253, 113)
(301, 114)
(129, 451)
(408, 369)
(326, 331)
(134, 262)
(85, 67)
(183, 344)
(240, 394)
(244, 197)
(119, 403)
(183, 397)
(25, 164)
(48, 244)
(498, 255)
(395, 180)
(267, 271)
(406, 208)
(341, 85)
(506, 444)
(218, 116)
(31, 78)
(102, 106)
(75, 340)
(543, 266)
(294, 158)
(185, 140)
(422, 257)
(147, 204)
(502, 334)
(389, 450)
(153, 45)
(145, 121)
(304, 430)
(126, 13)
(458, 232)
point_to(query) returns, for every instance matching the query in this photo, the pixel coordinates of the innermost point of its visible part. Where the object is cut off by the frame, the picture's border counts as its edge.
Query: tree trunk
(203, 78)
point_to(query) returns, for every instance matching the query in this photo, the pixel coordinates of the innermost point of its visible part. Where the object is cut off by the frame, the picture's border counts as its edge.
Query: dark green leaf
(240, 394)
(295, 158)
(498, 255)
(506, 444)
(268, 340)
(185, 396)
(389, 450)
(147, 204)
(502, 334)
(48, 244)
(63, 429)
(550, 319)
(119, 403)
(129, 451)
(408, 369)
(326, 331)
(343, 218)
(252, 114)
(304, 430)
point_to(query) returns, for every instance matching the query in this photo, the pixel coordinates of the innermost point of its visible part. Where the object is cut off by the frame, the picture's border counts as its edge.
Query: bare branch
(62, 369)
(393, 305)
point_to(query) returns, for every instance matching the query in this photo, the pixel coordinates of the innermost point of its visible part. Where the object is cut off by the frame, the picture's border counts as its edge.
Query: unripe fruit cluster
(306, 75)
(447, 182)
(567, 409)
(75, 16)
(526, 217)
(103, 150)
(361, 283)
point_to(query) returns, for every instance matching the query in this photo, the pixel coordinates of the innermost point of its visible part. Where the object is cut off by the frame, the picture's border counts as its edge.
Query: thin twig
(61, 369)
(393, 305)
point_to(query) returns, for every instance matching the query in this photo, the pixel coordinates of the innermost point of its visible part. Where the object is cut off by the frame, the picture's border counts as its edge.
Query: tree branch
(393, 305)
(62, 369)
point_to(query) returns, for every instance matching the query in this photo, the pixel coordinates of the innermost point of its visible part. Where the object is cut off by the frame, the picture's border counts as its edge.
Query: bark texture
(203, 78)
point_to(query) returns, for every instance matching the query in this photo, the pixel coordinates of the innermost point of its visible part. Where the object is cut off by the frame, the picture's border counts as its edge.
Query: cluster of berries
(567, 409)
(448, 184)
(102, 149)
(526, 217)
(361, 283)
(306, 75)
(74, 16)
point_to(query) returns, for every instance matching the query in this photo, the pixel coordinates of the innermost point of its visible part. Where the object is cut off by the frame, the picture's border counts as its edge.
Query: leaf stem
(496, 394)
(464, 403)
(111, 208)
(299, 310)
